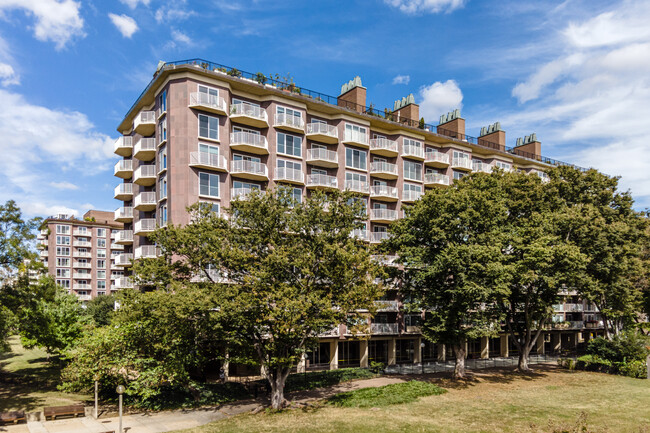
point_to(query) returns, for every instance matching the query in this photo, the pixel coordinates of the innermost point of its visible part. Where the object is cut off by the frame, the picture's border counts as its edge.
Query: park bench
(54, 411)
(13, 416)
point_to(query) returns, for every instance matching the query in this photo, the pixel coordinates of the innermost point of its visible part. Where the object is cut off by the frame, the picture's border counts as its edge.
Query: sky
(576, 73)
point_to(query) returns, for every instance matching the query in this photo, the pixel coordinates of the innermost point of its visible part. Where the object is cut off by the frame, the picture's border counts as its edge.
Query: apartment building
(80, 253)
(202, 132)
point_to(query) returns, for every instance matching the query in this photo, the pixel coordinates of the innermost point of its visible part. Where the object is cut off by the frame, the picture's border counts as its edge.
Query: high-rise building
(80, 253)
(202, 132)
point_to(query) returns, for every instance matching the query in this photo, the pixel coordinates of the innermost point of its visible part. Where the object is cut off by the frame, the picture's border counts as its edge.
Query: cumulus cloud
(125, 24)
(401, 79)
(178, 38)
(64, 185)
(7, 75)
(425, 6)
(173, 13)
(134, 3)
(439, 98)
(56, 20)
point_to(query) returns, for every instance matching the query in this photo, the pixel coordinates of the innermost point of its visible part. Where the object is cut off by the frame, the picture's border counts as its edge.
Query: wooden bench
(14, 416)
(54, 411)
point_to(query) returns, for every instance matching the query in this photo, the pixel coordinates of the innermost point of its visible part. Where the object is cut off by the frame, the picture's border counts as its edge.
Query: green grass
(396, 393)
(28, 381)
(321, 379)
(551, 400)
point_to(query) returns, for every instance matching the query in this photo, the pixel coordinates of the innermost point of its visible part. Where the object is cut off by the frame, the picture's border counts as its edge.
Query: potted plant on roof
(260, 78)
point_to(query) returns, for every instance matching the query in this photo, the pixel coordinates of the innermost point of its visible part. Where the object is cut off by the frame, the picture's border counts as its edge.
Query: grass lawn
(550, 400)
(28, 381)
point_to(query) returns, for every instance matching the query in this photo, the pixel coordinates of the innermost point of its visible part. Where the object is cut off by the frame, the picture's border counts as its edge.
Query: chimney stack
(493, 136)
(406, 108)
(353, 95)
(529, 147)
(452, 125)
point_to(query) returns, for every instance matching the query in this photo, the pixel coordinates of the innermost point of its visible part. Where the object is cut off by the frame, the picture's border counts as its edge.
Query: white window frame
(360, 151)
(198, 119)
(210, 177)
(284, 152)
(418, 171)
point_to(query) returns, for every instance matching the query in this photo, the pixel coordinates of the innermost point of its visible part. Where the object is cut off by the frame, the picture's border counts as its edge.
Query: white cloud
(178, 38)
(439, 98)
(125, 24)
(401, 79)
(134, 3)
(7, 75)
(173, 13)
(56, 20)
(64, 185)
(45, 209)
(426, 6)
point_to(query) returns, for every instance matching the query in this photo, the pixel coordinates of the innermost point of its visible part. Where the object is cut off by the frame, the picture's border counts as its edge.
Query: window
(101, 285)
(355, 158)
(289, 112)
(101, 264)
(63, 273)
(458, 155)
(101, 243)
(296, 194)
(364, 206)
(63, 240)
(63, 262)
(101, 275)
(212, 207)
(411, 187)
(163, 215)
(162, 101)
(206, 148)
(289, 165)
(356, 177)
(503, 165)
(162, 187)
(213, 94)
(101, 254)
(62, 251)
(62, 230)
(63, 283)
(356, 133)
(245, 185)
(162, 131)
(412, 143)
(101, 293)
(209, 184)
(458, 175)
(101, 233)
(289, 144)
(208, 127)
(162, 158)
(82, 230)
(412, 170)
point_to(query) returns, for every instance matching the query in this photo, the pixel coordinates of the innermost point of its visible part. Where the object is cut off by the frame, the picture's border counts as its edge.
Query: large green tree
(15, 236)
(282, 272)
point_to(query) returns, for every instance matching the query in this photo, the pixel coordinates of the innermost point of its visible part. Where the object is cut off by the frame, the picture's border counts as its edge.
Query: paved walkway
(182, 419)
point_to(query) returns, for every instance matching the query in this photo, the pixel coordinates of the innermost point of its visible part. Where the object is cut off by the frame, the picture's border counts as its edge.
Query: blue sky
(575, 72)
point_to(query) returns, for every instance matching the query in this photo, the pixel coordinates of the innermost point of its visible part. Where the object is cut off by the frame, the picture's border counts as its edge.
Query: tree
(282, 272)
(446, 243)
(15, 235)
(100, 309)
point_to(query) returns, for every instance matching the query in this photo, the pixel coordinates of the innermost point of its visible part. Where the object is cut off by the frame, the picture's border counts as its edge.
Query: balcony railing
(81, 231)
(248, 110)
(383, 214)
(209, 160)
(434, 156)
(146, 252)
(289, 175)
(360, 234)
(81, 255)
(384, 191)
(123, 283)
(123, 168)
(387, 306)
(82, 275)
(322, 180)
(124, 213)
(145, 175)
(289, 120)
(463, 163)
(145, 200)
(323, 155)
(384, 328)
(357, 186)
(250, 167)
(376, 237)
(145, 225)
(356, 138)
(84, 297)
(241, 193)
(436, 179)
(81, 265)
(124, 191)
(411, 195)
(323, 129)
(82, 287)
(409, 150)
(85, 244)
(210, 102)
(124, 259)
(123, 145)
(383, 144)
(145, 149)
(145, 122)
(249, 139)
(481, 167)
(383, 167)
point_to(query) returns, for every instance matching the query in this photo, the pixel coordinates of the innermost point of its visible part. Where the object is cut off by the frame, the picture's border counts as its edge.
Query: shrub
(628, 346)
(320, 379)
(636, 369)
(593, 363)
(397, 393)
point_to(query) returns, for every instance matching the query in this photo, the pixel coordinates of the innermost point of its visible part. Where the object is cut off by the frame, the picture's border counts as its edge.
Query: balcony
(575, 308)
(383, 170)
(412, 152)
(144, 226)
(76, 264)
(433, 158)
(322, 158)
(146, 252)
(82, 244)
(322, 181)
(81, 231)
(123, 146)
(436, 179)
(145, 149)
(145, 201)
(283, 174)
(384, 328)
(461, 164)
(249, 142)
(124, 260)
(84, 297)
(122, 283)
(123, 169)
(82, 276)
(145, 175)
(249, 170)
(357, 186)
(242, 193)
(387, 306)
(145, 123)
(289, 122)
(124, 192)
(362, 235)
(384, 147)
(409, 196)
(212, 103)
(356, 138)
(81, 255)
(208, 161)
(377, 237)
(248, 114)
(385, 260)
(322, 132)
(124, 214)
(384, 193)
(82, 287)
(43, 254)
(383, 215)
(115, 246)
(481, 167)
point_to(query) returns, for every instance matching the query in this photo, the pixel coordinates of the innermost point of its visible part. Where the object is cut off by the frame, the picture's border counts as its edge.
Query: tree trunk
(277, 379)
(459, 366)
(524, 353)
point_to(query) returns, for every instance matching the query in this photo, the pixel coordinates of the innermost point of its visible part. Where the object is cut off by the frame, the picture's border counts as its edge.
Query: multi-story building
(201, 132)
(80, 253)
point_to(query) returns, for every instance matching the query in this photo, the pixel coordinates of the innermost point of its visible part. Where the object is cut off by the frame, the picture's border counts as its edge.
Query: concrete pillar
(485, 347)
(442, 352)
(334, 354)
(302, 363)
(391, 352)
(363, 353)
(540, 344)
(580, 337)
(556, 342)
(466, 350)
(417, 353)
(504, 346)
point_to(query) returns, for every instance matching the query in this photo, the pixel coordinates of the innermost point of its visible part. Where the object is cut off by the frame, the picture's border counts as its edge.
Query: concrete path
(182, 419)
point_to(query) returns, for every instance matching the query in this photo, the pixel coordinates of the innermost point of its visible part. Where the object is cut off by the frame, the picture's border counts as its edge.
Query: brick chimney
(353, 95)
(493, 136)
(406, 109)
(529, 147)
(452, 125)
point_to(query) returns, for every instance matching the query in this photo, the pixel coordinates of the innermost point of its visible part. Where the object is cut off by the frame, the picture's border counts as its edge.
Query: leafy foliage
(628, 346)
(397, 393)
(100, 309)
(321, 379)
(15, 235)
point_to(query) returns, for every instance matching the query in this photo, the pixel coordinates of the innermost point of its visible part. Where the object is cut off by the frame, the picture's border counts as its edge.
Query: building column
(302, 364)
(334, 354)
(363, 353)
(485, 347)
(466, 349)
(540, 344)
(504, 346)
(417, 353)
(556, 342)
(442, 352)
(391, 352)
